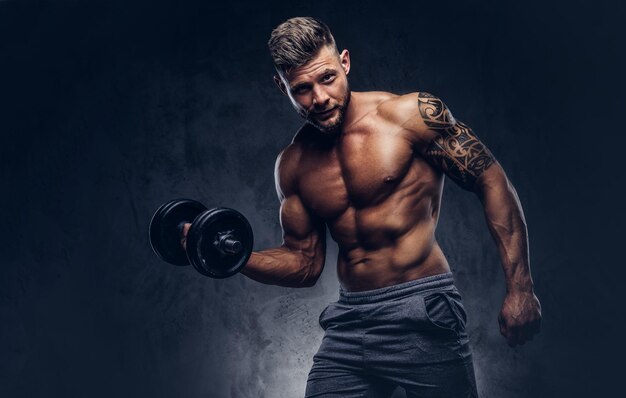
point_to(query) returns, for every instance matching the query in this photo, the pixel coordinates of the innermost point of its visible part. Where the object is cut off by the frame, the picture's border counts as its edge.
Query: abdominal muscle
(391, 243)
(413, 257)
(380, 201)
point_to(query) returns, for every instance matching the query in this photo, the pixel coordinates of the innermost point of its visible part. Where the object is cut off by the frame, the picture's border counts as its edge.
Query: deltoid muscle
(455, 149)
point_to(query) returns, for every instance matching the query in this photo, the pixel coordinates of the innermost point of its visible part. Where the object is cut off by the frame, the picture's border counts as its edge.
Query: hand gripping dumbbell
(219, 241)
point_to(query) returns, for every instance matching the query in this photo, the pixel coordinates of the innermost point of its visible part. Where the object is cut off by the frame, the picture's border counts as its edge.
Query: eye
(328, 77)
(300, 89)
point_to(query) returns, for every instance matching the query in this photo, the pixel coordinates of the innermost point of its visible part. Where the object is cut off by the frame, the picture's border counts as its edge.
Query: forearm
(281, 266)
(505, 219)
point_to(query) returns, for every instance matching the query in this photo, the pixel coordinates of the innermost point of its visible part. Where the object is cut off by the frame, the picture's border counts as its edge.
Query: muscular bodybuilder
(370, 166)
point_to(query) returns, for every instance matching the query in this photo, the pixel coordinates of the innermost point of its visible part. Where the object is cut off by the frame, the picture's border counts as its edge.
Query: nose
(320, 97)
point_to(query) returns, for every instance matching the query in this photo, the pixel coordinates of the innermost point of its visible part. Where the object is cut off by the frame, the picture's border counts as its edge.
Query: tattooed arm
(453, 148)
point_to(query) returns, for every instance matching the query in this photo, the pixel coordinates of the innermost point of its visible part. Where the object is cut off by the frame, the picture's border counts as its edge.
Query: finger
(185, 231)
(528, 333)
(511, 340)
(524, 335)
(502, 324)
(514, 337)
(186, 227)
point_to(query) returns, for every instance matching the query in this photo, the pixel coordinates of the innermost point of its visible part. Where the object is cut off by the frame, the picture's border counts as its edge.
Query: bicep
(302, 230)
(460, 155)
(452, 145)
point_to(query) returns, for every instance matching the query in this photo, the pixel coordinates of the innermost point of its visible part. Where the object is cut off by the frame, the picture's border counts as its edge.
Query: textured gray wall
(109, 110)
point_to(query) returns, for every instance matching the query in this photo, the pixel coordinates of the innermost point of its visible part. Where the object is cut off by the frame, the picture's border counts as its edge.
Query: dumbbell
(219, 241)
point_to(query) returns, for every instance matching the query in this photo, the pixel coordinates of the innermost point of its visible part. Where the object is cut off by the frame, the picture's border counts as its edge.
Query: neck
(351, 111)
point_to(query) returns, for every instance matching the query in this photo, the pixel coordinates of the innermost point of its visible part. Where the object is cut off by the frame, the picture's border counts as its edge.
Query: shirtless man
(370, 166)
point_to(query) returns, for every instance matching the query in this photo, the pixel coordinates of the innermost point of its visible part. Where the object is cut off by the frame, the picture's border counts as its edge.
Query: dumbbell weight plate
(206, 228)
(165, 229)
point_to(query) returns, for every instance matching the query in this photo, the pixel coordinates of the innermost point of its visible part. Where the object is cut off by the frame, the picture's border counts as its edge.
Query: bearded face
(319, 89)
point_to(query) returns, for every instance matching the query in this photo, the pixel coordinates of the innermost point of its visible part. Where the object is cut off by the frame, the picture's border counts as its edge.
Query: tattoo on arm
(456, 150)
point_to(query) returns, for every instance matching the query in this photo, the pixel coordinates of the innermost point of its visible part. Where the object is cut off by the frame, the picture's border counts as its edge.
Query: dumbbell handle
(225, 242)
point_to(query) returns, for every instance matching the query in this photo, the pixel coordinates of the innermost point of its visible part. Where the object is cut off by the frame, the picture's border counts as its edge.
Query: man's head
(311, 72)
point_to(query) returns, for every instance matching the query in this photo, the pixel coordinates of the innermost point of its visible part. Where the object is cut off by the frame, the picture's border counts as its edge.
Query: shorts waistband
(396, 291)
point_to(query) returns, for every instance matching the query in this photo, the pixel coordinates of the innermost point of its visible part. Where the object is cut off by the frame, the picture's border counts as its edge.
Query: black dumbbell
(219, 241)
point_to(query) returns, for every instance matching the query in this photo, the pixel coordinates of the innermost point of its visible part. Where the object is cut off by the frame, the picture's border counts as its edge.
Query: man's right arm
(299, 261)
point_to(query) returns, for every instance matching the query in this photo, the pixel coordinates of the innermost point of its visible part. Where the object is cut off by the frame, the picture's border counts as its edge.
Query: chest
(363, 169)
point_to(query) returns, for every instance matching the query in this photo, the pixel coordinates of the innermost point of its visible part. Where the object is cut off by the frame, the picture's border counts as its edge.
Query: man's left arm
(452, 147)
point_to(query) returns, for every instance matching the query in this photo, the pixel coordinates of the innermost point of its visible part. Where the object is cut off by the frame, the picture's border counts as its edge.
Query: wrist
(520, 288)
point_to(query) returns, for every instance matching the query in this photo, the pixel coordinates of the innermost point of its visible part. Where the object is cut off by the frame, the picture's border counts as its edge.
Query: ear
(344, 58)
(280, 84)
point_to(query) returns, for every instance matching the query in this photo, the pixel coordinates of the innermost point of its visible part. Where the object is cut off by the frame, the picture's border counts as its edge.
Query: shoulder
(417, 111)
(377, 97)
(286, 166)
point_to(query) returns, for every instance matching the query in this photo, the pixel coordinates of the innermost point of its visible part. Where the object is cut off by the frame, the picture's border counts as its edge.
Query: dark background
(109, 109)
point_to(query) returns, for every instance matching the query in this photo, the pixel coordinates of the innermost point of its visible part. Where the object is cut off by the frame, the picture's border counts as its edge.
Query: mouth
(325, 113)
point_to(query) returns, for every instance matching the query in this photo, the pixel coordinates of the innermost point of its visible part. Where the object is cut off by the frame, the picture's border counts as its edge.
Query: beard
(335, 126)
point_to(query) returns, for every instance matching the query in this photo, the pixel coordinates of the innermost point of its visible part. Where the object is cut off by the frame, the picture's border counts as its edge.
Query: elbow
(495, 186)
(314, 271)
(309, 282)
(493, 178)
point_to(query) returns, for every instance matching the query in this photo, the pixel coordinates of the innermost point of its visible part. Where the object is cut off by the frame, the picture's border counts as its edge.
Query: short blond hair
(297, 40)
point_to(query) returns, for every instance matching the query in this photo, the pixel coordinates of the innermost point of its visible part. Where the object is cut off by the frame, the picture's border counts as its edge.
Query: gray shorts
(410, 335)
